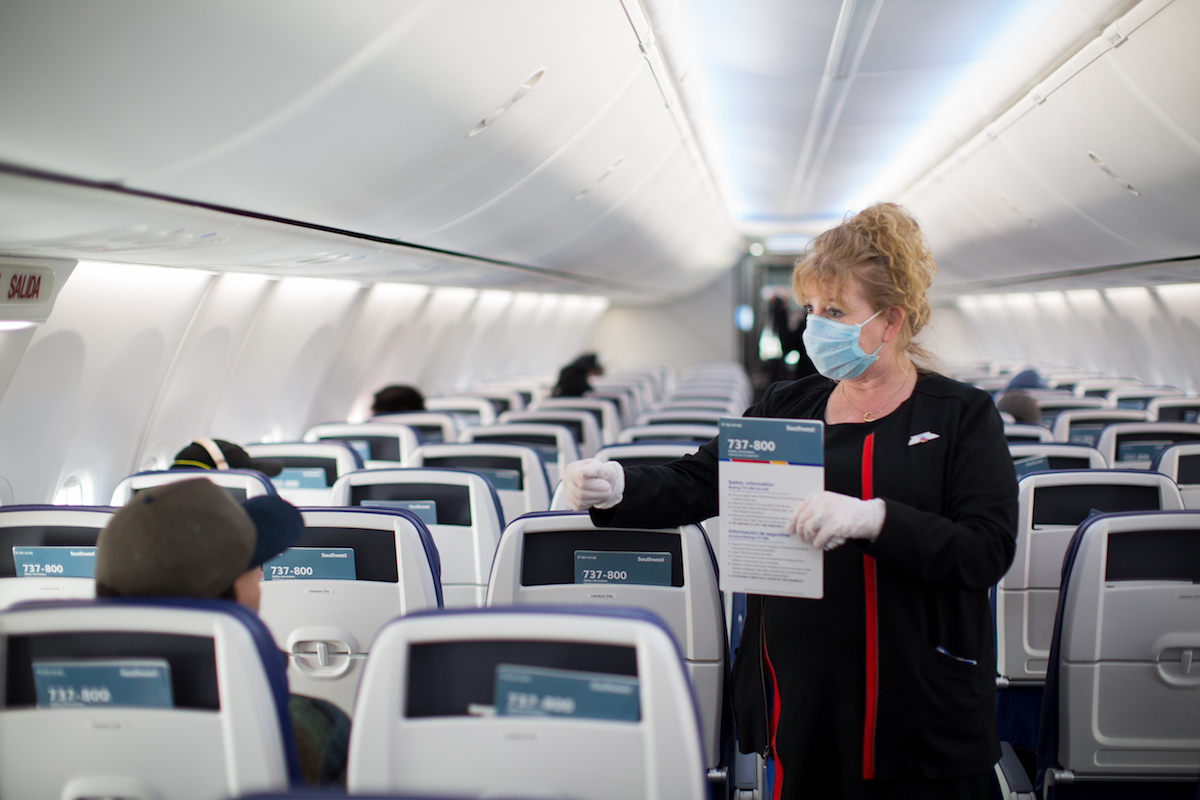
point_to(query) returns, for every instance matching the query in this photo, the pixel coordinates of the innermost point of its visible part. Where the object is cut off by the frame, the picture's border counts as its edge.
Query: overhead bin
(394, 141)
(668, 221)
(1098, 166)
(610, 159)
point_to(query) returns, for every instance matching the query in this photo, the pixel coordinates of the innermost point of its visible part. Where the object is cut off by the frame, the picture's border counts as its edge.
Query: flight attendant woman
(883, 688)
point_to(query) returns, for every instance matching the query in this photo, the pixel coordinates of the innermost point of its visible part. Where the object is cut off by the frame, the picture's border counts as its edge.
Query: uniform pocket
(941, 660)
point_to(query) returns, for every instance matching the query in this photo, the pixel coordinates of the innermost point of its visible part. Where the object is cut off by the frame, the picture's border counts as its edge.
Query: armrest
(1014, 782)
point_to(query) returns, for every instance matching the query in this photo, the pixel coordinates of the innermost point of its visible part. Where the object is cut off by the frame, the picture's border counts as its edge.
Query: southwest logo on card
(922, 438)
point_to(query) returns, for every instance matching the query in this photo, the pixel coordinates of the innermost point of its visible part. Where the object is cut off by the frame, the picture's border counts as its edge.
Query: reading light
(15, 324)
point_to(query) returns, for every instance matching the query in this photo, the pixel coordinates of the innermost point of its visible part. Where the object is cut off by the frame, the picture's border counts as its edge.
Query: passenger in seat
(1023, 406)
(190, 539)
(397, 400)
(205, 453)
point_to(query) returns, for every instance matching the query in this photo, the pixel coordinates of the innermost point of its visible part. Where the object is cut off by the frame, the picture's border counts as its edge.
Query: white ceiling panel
(107, 90)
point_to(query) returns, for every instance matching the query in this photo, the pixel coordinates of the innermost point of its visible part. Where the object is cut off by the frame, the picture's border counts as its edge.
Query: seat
(524, 392)
(309, 468)
(1181, 463)
(555, 444)
(1122, 701)
(138, 698)
(379, 444)
(1174, 409)
(645, 455)
(1053, 406)
(468, 409)
(1050, 506)
(1139, 397)
(1083, 426)
(624, 400)
(48, 552)
(526, 702)
(728, 408)
(1133, 445)
(515, 471)
(1042, 456)
(431, 427)
(240, 484)
(501, 398)
(607, 415)
(581, 424)
(460, 509)
(699, 434)
(326, 598)
(562, 558)
(1018, 433)
(639, 390)
(681, 417)
(1100, 387)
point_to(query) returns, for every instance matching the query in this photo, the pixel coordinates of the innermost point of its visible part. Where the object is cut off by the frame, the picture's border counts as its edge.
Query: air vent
(1028, 220)
(596, 182)
(138, 237)
(1107, 170)
(313, 260)
(522, 90)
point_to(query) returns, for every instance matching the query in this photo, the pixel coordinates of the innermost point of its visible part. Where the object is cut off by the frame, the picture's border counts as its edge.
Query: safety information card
(767, 467)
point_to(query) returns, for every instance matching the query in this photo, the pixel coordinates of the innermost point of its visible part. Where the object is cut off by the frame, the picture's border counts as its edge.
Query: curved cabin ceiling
(598, 146)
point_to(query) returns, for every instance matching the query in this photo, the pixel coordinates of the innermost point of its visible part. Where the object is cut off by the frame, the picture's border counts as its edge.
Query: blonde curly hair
(883, 250)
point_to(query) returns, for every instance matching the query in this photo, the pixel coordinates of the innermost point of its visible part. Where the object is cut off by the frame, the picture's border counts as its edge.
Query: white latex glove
(592, 483)
(827, 519)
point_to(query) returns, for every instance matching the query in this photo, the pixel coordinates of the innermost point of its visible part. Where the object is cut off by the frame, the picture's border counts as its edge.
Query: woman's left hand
(827, 519)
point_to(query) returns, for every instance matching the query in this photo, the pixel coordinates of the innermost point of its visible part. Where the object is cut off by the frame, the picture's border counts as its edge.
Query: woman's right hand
(591, 483)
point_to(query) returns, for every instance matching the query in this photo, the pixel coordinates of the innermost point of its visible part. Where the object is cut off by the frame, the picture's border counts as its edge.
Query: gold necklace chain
(869, 416)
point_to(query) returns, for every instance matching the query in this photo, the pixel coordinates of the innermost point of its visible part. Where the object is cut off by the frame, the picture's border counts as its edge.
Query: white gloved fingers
(829, 519)
(614, 475)
(591, 483)
(579, 495)
(800, 519)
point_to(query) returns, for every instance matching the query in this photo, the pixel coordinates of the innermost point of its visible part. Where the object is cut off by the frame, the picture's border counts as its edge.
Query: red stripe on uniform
(872, 627)
(773, 724)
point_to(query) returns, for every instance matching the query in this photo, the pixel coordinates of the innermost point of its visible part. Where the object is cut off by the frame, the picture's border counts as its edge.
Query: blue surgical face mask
(833, 347)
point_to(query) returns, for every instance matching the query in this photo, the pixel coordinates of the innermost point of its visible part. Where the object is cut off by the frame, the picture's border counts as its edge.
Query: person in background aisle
(885, 687)
(397, 399)
(1023, 406)
(574, 378)
(191, 539)
(789, 327)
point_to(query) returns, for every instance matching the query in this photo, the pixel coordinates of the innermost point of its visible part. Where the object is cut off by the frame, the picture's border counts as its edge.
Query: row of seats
(1123, 440)
(1119, 715)
(502, 702)
(1179, 462)
(327, 623)
(1095, 634)
(327, 626)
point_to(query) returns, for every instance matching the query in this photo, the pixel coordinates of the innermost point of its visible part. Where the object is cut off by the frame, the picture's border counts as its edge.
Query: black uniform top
(942, 466)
